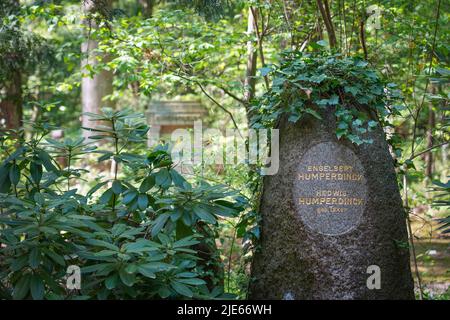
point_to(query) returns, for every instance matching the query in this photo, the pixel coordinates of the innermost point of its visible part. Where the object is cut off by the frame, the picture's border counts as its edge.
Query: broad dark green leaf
(159, 223)
(22, 287)
(181, 289)
(36, 172)
(147, 184)
(142, 201)
(116, 187)
(128, 279)
(111, 281)
(204, 215)
(14, 174)
(106, 196)
(37, 287)
(47, 162)
(34, 258)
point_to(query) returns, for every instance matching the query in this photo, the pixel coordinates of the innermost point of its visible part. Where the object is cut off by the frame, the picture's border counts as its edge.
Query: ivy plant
(312, 83)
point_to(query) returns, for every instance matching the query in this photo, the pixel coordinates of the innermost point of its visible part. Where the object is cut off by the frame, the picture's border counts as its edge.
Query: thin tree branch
(232, 95)
(326, 16)
(433, 48)
(260, 46)
(220, 106)
(428, 150)
(362, 34)
(213, 100)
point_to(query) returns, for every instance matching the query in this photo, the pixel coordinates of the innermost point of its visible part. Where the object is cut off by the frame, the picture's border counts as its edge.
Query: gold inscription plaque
(330, 188)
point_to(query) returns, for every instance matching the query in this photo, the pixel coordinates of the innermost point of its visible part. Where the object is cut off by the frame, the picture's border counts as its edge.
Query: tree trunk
(93, 88)
(11, 89)
(147, 7)
(324, 9)
(11, 102)
(429, 136)
(252, 56)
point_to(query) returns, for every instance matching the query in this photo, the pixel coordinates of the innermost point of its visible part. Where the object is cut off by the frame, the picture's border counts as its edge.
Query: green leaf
(265, 71)
(96, 188)
(204, 215)
(162, 178)
(105, 253)
(39, 198)
(158, 266)
(16, 154)
(186, 275)
(36, 172)
(105, 157)
(362, 63)
(22, 287)
(129, 196)
(14, 174)
(131, 268)
(159, 223)
(141, 245)
(47, 162)
(147, 271)
(372, 124)
(99, 267)
(318, 78)
(342, 125)
(142, 201)
(111, 281)
(147, 184)
(5, 185)
(192, 281)
(185, 242)
(164, 292)
(334, 99)
(186, 218)
(37, 287)
(313, 113)
(4, 174)
(340, 133)
(294, 117)
(19, 263)
(183, 230)
(181, 289)
(116, 187)
(177, 178)
(106, 196)
(355, 139)
(55, 257)
(128, 279)
(102, 243)
(34, 258)
(352, 90)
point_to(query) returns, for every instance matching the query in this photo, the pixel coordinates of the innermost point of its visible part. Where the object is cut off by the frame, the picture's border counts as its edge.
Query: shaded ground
(433, 258)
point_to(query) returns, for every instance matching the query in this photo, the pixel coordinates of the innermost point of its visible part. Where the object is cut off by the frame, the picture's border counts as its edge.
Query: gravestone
(333, 225)
(164, 117)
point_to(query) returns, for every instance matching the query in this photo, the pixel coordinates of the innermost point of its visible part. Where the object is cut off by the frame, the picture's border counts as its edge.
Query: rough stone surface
(303, 257)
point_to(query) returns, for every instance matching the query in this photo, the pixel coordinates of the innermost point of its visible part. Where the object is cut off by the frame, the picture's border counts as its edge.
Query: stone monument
(164, 117)
(333, 224)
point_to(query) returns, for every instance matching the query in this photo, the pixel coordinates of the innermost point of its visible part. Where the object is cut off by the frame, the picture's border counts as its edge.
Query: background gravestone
(332, 210)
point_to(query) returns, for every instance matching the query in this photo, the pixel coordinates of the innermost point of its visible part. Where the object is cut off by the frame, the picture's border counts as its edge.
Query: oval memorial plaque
(330, 189)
